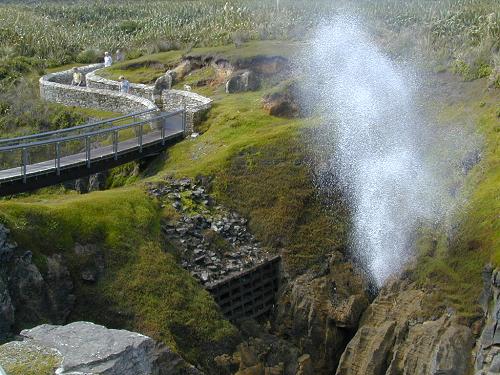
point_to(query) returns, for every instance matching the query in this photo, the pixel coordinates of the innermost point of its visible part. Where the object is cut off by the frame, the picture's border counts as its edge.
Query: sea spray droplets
(375, 142)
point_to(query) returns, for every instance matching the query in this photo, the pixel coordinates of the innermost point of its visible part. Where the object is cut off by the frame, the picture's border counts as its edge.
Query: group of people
(78, 77)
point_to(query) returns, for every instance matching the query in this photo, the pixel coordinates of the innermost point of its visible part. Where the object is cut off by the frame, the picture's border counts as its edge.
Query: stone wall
(102, 93)
(172, 100)
(56, 88)
(95, 81)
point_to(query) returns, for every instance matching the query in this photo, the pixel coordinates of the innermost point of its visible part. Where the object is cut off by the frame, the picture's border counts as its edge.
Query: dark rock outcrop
(320, 310)
(242, 81)
(27, 296)
(488, 346)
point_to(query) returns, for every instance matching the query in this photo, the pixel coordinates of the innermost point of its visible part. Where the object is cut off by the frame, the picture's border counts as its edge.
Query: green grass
(147, 69)
(142, 289)
(258, 162)
(452, 271)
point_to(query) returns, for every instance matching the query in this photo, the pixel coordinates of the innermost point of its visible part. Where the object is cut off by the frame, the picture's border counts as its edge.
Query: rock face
(90, 349)
(320, 310)
(242, 81)
(27, 296)
(488, 346)
(393, 338)
(264, 353)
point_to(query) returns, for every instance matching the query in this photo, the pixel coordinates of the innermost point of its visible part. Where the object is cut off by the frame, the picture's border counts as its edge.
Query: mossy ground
(142, 289)
(147, 68)
(451, 264)
(18, 358)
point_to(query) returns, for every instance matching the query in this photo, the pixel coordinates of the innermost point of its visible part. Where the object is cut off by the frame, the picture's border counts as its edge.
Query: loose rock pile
(214, 242)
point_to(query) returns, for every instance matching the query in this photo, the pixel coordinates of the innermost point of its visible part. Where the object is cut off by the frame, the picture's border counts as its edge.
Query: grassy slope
(143, 288)
(147, 68)
(452, 270)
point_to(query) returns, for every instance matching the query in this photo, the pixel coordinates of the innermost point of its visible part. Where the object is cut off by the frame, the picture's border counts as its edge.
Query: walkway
(44, 159)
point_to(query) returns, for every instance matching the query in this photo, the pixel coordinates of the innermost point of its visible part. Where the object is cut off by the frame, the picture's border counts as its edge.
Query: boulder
(283, 103)
(242, 81)
(86, 348)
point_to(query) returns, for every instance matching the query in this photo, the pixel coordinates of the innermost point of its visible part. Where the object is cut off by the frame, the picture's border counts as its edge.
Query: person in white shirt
(108, 60)
(124, 85)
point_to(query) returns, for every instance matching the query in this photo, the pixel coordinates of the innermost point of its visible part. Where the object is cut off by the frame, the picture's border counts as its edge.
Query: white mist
(376, 143)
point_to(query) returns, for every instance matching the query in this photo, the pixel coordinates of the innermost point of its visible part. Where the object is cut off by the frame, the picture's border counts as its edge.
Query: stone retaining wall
(56, 88)
(102, 93)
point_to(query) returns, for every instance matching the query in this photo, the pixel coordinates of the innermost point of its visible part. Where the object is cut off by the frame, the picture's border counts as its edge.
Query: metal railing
(68, 151)
(108, 122)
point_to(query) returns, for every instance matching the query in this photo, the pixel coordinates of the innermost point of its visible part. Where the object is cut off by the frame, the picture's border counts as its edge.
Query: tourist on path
(120, 56)
(77, 77)
(124, 85)
(108, 60)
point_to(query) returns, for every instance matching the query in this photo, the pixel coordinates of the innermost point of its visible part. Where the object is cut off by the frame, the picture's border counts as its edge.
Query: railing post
(115, 144)
(140, 137)
(87, 150)
(184, 119)
(162, 131)
(25, 162)
(58, 158)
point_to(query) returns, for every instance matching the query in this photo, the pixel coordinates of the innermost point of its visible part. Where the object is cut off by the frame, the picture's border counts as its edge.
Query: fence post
(87, 150)
(162, 131)
(25, 162)
(58, 158)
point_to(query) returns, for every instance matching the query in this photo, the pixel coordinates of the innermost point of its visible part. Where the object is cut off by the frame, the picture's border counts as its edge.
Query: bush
(89, 56)
(129, 27)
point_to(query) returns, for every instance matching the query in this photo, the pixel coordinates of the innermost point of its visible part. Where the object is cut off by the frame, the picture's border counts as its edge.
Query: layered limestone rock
(320, 310)
(85, 348)
(393, 338)
(488, 346)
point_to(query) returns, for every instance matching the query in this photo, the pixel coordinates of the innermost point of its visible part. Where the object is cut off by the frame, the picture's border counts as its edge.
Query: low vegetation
(143, 288)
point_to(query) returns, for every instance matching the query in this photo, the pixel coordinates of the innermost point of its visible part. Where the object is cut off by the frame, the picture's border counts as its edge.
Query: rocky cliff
(394, 337)
(320, 310)
(90, 349)
(26, 296)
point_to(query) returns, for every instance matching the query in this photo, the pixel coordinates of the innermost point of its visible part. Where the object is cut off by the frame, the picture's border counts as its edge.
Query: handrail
(85, 135)
(79, 127)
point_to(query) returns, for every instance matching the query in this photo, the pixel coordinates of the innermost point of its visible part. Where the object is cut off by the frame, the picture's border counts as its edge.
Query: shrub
(89, 56)
(129, 27)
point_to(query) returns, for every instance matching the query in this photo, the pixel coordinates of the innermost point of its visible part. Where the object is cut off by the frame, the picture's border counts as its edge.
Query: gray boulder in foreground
(90, 349)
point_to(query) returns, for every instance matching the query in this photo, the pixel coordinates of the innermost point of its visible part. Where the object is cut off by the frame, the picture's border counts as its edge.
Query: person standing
(120, 56)
(77, 77)
(124, 85)
(108, 60)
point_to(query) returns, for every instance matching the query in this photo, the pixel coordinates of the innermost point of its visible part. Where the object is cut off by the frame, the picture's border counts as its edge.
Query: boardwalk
(49, 158)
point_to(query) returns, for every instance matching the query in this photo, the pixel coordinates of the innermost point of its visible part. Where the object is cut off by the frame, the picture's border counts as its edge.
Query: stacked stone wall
(101, 93)
(56, 88)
